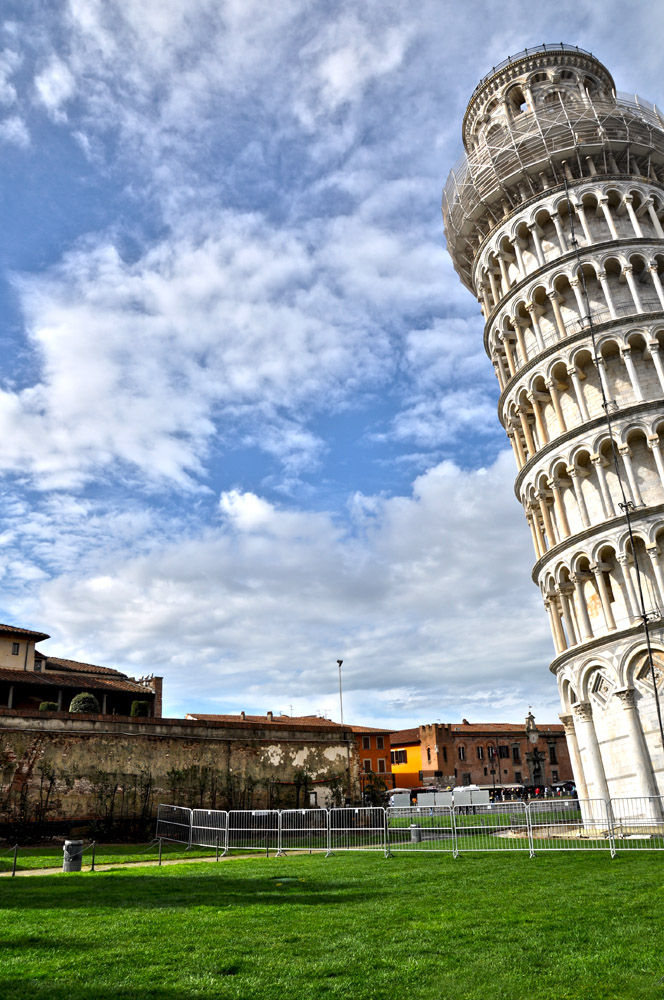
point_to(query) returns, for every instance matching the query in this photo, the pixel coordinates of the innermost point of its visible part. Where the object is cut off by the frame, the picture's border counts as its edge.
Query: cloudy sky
(247, 423)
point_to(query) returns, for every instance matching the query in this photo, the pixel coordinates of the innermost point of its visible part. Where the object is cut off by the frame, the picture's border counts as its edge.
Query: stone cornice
(579, 431)
(585, 647)
(589, 253)
(609, 324)
(614, 522)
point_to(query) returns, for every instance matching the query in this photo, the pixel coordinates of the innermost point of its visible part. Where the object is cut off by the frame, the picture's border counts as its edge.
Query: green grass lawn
(559, 927)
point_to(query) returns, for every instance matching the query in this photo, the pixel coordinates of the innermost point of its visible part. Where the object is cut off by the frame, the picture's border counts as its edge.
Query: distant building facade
(487, 754)
(29, 677)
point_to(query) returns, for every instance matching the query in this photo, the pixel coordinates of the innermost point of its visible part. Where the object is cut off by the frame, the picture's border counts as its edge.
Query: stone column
(533, 227)
(518, 250)
(559, 642)
(520, 339)
(604, 205)
(628, 593)
(485, 299)
(555, 399)
(574, 756)
(593, 768)
(584, 618)
(546, 517)
(581, 212)
(653, 347)
(601, 369)
(503, 377)
(580, 302)
(494, 286)
(554, 485)
(507, 347)
(629, 469)
(512, 441)
(653, 444)
(631, 371)
(523, 417)
(541, 546)
(655, 221)
(542, 432)
(575, 476)
(606, 291)
(600, 582)
(536, 544)
(643, 778)
(628, 271)
(10, 697)
(554, 299)
(503, 273)
(632, 216)
(518, 447)
(657, 282)
(531, 308)
(578, 392)
(555, 218)
(653, 553)
(607, 499)
(567, 615)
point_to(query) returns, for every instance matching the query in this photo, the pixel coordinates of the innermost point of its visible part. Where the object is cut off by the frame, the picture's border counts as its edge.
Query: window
(465, 779)
(15, 647)
(398, 756)
(480, 753)
(554, 776)
(445, 754)
(380, 742)
(516, 755)
(552, 754)
(428, 755)
(462, 753)
(486, 770)
(504, 752)
(38, 665)
(366, 764)
(366, 742)
(492, 752)
(381, 765)
(517, 777)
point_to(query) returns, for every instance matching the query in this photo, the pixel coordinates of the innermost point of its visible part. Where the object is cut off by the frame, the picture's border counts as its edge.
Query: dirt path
(125, 864)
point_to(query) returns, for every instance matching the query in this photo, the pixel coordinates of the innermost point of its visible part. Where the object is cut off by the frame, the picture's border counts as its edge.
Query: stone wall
(120, 769)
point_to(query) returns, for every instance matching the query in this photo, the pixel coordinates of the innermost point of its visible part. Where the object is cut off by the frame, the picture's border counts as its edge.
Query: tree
(85, 702)
(48, 706)
(140, 709)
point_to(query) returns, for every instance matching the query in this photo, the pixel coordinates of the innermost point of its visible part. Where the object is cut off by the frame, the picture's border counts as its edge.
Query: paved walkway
(124, 864)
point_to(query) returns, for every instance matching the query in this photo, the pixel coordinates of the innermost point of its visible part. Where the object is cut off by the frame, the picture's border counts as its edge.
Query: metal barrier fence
(538, 825)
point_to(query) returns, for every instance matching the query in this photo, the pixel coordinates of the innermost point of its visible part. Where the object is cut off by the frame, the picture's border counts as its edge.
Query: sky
(248, 426)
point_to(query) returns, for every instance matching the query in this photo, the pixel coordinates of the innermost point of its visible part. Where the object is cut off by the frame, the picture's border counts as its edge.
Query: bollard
(415, 834)
(14, 861)
(73, 851)
(160, 852)
(92, 866)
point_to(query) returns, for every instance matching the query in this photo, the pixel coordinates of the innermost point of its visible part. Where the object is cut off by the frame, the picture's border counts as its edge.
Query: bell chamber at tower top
(547, 115)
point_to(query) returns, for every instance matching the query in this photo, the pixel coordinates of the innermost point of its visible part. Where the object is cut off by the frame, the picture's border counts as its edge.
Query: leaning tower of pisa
(554, 220)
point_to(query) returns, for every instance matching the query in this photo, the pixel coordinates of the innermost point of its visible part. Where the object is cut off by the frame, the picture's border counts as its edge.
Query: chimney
(242, 715)
(269, 716)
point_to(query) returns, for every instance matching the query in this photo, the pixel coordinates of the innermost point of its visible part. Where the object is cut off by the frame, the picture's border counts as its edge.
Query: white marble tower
(554, 214)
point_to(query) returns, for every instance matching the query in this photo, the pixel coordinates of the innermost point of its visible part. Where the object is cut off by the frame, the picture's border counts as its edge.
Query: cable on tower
(627, 506)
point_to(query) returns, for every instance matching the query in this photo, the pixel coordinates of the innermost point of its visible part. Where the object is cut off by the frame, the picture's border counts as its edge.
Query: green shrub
(140, 709)
(49, 706)
(85, 702)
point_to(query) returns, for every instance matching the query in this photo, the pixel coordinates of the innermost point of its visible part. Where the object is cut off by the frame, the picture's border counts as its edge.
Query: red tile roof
(74, 681)
(58, 663)
(294, 721)
(503, 727)
(26, 632)
(367, 729)
(404, 736)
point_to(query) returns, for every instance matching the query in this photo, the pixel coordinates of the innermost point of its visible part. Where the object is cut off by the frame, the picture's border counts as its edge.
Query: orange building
(406, 758)
(373, 751)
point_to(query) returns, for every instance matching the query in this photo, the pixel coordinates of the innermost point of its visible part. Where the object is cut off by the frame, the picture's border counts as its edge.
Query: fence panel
(209, 828)
(570, 825)
(638, 823)
(361, 829)
(253, 830)
(420, 828)
(304, 830)
(174, 823)
(498, 826)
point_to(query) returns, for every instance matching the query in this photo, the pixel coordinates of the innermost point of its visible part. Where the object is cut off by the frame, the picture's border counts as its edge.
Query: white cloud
(55, 86)
(423, 597)
(14, 131)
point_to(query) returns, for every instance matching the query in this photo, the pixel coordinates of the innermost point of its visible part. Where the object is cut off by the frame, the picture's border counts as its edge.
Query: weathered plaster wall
(54, 768)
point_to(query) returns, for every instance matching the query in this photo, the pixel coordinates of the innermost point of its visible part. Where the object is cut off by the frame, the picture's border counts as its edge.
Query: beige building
(555, 221)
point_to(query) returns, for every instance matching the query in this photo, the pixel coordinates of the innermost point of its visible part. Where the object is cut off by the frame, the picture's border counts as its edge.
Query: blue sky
(247, 423)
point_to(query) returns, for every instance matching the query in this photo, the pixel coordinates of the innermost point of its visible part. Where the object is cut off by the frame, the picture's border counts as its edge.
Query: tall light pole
(341, 700)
